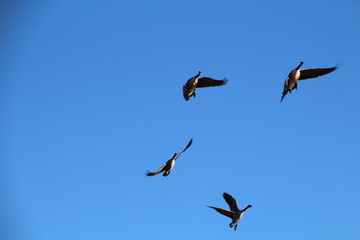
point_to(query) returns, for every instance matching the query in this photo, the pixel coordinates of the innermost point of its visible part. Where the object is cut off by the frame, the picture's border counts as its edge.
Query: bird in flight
(169, 165)
(196, 82)
(296, 74)
(235, 213)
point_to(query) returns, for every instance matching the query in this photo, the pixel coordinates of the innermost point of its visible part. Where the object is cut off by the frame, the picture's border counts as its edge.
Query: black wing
(148, 173)
(283, 95)
(232, 202)
(189, 144)
(224, 212)
(315, 72)
(209, 82)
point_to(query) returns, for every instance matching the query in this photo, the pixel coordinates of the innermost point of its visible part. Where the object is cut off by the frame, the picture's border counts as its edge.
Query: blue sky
(91, 98)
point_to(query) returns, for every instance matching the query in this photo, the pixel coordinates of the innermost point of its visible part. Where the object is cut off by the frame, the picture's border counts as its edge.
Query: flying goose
(235, 213)
(296, 74)
(166, 168)
(196, 82)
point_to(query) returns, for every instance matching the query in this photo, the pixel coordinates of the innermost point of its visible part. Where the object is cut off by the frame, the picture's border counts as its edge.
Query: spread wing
(209, 82)
(224, 212)
(189, 144)
(232, 202)
(315, 72)
(148, 173)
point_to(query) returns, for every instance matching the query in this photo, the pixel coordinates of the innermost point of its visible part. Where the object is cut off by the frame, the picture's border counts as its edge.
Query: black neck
(301, 63)
(246, 208)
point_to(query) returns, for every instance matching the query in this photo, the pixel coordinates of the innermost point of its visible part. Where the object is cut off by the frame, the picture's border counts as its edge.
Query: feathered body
(189, 89)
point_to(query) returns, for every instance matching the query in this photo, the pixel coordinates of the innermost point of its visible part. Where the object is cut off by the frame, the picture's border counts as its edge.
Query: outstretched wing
(224, 212)
(189, 144)
(209, 82)
(231, 201)
(148, 173)
(315, 72)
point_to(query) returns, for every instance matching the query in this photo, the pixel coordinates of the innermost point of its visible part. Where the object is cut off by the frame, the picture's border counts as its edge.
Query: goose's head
(198, 75)
(301, 63)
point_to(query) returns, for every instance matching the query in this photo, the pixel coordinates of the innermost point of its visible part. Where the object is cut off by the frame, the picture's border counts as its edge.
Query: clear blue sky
(91, 98)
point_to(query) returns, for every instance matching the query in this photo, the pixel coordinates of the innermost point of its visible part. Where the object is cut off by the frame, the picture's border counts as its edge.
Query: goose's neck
(249, 206)
(301, 63)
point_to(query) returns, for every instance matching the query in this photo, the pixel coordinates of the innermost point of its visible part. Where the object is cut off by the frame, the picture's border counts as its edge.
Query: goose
(169, 165)
(296, 74)
(196, 82)
(235, 213)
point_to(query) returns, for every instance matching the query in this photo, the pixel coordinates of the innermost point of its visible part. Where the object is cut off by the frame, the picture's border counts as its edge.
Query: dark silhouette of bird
(235, 213)
(296, 74)
(196, 82)
(169, 165)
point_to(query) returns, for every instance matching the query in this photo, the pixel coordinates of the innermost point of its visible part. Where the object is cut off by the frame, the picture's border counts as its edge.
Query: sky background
(91, 98)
